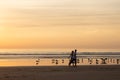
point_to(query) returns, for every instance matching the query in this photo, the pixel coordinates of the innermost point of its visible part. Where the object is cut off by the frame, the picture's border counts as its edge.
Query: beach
(92, 72)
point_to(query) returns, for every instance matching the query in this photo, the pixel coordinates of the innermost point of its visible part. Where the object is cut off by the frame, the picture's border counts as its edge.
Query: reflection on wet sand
(55, 61)
(89, 61)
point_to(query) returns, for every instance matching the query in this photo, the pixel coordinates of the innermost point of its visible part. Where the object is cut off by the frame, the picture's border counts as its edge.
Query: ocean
(30, 57)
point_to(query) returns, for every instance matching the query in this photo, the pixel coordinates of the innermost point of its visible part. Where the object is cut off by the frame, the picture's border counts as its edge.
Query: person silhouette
(71, 58)
(75, 57)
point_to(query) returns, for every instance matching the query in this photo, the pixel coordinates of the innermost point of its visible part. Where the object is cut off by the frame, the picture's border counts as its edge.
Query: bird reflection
(62, 60)
(96, 61)
(56, 62)
(53, 61)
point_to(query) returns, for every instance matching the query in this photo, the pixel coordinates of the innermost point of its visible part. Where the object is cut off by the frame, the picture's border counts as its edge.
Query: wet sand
(103, 72)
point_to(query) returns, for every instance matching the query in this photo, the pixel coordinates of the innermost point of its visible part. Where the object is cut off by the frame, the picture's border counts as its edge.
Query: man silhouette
(71, 58)
(75, 57)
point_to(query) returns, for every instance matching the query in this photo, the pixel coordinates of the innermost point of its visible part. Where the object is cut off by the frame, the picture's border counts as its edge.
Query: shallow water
(33, 60)
(33, 57)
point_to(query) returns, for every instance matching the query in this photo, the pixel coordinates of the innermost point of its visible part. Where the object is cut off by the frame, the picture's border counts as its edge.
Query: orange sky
(88, 24)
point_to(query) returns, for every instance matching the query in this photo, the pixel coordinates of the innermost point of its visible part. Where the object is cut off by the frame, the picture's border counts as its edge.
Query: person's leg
(70, 62)
(75, 62)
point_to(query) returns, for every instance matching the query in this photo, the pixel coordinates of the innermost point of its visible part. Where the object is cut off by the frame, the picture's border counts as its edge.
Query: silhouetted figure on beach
(73, 58)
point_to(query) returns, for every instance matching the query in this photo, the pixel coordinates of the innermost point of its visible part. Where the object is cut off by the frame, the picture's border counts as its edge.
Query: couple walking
(73, 58)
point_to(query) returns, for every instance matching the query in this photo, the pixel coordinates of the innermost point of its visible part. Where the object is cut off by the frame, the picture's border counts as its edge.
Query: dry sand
(104, 72)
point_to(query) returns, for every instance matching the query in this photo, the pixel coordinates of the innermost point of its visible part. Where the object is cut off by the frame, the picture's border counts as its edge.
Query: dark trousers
(74, 61)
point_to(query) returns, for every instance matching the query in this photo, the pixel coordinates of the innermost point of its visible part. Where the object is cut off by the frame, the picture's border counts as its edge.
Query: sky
(84, 24)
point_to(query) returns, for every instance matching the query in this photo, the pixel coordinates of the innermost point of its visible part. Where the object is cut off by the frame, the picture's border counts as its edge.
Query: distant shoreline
(60, 53)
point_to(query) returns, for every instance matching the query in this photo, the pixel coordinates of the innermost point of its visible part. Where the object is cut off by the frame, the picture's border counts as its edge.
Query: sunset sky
(85, 24)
